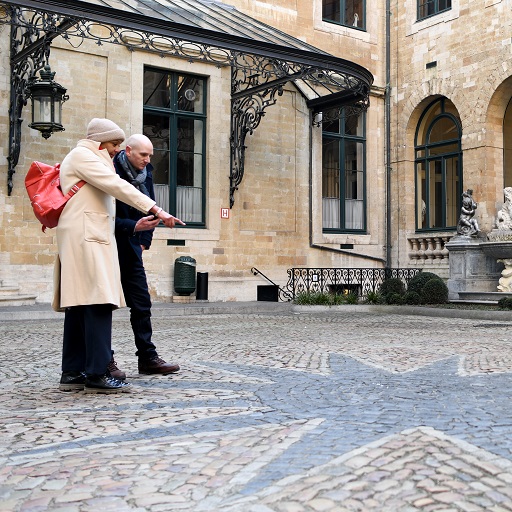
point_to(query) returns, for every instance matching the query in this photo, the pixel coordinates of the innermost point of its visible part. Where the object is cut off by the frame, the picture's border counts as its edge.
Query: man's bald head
(139, 150)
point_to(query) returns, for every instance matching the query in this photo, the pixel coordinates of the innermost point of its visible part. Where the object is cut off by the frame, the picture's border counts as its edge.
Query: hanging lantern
(47, 99)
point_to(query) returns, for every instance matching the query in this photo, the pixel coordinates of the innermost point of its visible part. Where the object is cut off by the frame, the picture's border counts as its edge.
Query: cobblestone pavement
(271, 412)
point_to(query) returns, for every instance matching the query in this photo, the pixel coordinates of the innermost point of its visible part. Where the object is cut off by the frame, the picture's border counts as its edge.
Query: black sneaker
(105, 384)
(72, 381)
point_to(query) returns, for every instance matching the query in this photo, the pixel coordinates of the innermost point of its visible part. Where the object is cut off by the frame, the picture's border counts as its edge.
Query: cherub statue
(467, 225)
(505, 214)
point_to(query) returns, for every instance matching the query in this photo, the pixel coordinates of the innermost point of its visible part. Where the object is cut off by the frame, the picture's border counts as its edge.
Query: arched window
(507, 146)
(438, 164)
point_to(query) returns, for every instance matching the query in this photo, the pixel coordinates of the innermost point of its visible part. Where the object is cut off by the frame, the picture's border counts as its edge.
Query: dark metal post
(202, 286)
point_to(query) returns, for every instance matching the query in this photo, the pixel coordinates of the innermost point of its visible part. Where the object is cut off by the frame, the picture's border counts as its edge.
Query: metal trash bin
(184, 275)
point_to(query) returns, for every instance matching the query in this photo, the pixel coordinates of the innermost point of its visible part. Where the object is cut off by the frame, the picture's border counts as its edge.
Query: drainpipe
(387, 128)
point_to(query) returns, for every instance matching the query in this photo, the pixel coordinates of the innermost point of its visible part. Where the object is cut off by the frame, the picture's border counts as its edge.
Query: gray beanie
(104, 130)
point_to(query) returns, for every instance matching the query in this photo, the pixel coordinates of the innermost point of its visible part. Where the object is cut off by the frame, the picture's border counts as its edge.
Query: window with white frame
(343, 174)
(350, 13)
(174, 118)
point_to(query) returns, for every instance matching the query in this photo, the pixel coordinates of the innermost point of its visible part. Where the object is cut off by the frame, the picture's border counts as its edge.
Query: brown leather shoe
(157, 365)
(115, 371)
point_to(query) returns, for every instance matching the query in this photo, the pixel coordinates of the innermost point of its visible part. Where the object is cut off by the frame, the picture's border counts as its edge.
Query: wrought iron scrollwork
(283, 293)
(257, 80)
(342, 280)
(246, 113)
(31, 36)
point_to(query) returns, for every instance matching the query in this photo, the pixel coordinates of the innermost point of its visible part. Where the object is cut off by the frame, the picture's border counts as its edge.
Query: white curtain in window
(162, 196)
(353, 214)
(331, 212)
(188, 204)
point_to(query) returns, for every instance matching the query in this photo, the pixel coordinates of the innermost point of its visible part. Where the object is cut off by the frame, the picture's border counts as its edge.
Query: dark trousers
(138, 299)
(87, 339)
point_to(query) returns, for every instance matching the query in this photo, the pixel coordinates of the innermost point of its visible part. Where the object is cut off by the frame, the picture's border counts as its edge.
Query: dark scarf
(135, 177)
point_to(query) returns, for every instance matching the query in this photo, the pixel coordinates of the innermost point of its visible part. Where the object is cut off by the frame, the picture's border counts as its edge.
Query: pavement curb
(159, 309)
(474, 314)
(163, 309)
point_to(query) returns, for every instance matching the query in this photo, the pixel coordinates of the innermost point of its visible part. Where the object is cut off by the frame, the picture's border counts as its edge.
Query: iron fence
(343, 280)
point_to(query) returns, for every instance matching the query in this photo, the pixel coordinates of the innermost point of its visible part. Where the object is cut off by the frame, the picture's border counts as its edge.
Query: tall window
(350, 13)
(428, 8)
(174, 118)
(438, 167)
(343, 174)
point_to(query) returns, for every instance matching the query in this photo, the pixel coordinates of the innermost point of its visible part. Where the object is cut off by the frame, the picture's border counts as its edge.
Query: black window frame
(178, 117)
(428, 8)
(361, 20)
(430, 154)
(342, 138)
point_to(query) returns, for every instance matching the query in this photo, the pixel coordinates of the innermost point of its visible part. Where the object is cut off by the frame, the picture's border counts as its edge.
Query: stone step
(17, 300)
(482, 297)
(8, 290)
(483, 302)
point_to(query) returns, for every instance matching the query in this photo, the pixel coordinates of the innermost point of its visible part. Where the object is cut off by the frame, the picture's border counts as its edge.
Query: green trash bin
(184, 275)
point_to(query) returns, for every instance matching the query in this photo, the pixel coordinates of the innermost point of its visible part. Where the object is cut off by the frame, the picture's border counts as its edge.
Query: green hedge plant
(505, 303)
(390, 288)
(417, 283)
(435, 291)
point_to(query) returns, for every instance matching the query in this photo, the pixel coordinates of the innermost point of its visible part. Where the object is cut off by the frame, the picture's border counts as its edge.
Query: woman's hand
(169, 220)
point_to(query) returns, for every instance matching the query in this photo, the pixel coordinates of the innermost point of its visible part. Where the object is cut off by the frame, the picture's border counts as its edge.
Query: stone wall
(269, 226)
(470, 45)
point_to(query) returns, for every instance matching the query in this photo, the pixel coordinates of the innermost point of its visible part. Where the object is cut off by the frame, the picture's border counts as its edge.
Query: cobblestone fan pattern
(270, 413)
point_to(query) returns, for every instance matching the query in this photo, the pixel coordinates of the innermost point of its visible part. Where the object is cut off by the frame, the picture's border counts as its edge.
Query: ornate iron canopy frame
(259, 69)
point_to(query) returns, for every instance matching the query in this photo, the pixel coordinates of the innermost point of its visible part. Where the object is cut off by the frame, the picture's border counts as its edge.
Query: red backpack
(43, 187)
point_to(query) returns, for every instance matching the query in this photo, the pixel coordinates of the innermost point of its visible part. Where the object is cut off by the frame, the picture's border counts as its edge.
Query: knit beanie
(104, 130)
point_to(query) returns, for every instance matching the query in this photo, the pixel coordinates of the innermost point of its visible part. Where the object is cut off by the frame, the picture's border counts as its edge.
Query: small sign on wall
(224, 213)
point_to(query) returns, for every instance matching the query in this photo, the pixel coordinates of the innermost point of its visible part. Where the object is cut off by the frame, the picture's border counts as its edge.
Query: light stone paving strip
(418, 469)
(271, 412)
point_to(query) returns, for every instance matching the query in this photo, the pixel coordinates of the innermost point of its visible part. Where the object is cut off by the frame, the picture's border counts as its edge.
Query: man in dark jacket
(134, 233)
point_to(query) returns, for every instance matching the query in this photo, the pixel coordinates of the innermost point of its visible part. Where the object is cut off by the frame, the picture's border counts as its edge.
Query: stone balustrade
(425, 249)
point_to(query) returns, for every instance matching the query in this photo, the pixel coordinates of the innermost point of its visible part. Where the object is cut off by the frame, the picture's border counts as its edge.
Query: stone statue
(505, 214)
(467, 225)
(500, 242)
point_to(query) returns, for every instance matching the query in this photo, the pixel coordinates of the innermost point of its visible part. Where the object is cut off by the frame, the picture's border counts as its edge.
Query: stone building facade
(457, 55)
(445, 65)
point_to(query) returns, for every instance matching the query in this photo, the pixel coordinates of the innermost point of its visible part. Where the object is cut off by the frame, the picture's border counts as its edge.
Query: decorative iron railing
(284, 294)
(343, 280)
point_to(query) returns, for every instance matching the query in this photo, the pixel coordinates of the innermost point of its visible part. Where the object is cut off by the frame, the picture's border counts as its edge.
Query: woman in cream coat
(87, 277)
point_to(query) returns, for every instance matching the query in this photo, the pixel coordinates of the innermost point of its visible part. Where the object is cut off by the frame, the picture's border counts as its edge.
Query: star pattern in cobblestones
(356, 404)
(229, 436)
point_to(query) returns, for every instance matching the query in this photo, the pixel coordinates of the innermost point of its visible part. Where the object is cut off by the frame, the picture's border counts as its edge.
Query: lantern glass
(58, 111)
(42, 111)
(47, 98)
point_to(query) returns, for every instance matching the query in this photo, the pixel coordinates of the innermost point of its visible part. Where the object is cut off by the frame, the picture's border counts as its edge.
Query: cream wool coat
(87, 267)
